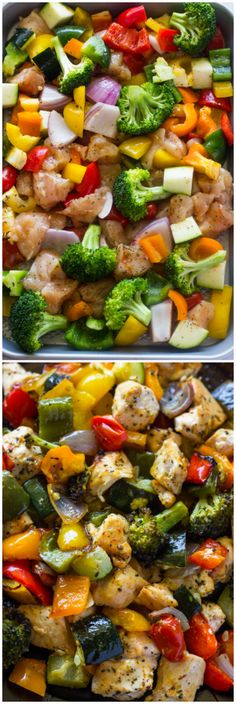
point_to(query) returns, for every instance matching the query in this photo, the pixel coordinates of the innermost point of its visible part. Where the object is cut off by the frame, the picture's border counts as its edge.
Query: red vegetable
(46, 575)
(217, 42)
(7, 462)
(135, 15)
(152, 210)
(116, 216)
(208, 98)
(19, 570)
(227, 129)
(209, 555)
(165, 38)
(10, 255)
(200, 639)
(134, 63)
(18, 405)
(90, 182)
(35, 159)
(199, 468)
(110, 434)
(9, 175)
(216, 678)
(169, 638)
(73, 195)
(193, 300)
(132, 41)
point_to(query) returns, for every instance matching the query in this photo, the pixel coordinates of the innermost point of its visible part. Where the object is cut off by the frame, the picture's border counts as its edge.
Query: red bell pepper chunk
(135, 15)
(209, 555)
(18, 405)
(90, 182)
(168, 635)
(165, 38)
(131, 41)
(10, 255)
(193, 300)
(73, 195)
(217, 42)
(19, 570)
(208, 98)
(227, 129)
(134, 63)
(116, 216)
(9, 175)
(152, 210)
(110, 434)
(7, 462)
(200, 639)
(200, 468)
(35, 159)
(216, 678)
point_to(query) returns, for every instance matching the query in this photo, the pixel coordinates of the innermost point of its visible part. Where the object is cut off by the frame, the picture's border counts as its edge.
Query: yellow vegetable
(137, 80)
(154, 25)
(16, 157)
(82, 17)
(19, 205)
(136, 440)
(152, 380)
(79, 96)
(128, 619)
(61, 390)
(223, 89)
(27, 103)
(18, 592)
(74, 112)
(21, 141)
(83, 403)
(72, 536)
(221, 300)
(164, 20)
(7, 304)
(97, 383)
(104, 407)
(162, 159)
(22, 546)
(75, 172)
(39, 44)
(8, 219)
(30, 674)
(135, 147)
(130, 331)
(60, 463)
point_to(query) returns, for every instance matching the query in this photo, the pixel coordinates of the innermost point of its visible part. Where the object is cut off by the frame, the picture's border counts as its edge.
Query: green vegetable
(98, 637)
(96, 50)
(16, 636)
(127, 496)
(157, 288)
(70, 31)
(47, 63)
(55, 417)
(80, 337)
(73, 75)
(95, 564)
(209, 488)
(197, 25)
(182, 270)
(224, 394)
(59, 560)
(216, 146)
(131, 197)
(211, 516)
(15, 499)
(6, 144)
(175, 551)
(95, 323)
(126, 299)
(129, 370)
(220, 61)
(87, 261)
(147, 533)
(39, 497)
(53, 380)
(62, 671)
(13, 59)
(77, 485)
(142, 460)
(144, 108)
(97, 517)
(33, 439)
(22, 37)
(225, 601)
(162, 71)
(13, 281)
(187, 602)
(29, 321)
(9, 95)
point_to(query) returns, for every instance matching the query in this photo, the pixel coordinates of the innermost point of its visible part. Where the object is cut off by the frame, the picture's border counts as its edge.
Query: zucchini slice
(98, 637)
(187, 602)
(127, 497)
(224, 394)
(175, 552)
(48, 64)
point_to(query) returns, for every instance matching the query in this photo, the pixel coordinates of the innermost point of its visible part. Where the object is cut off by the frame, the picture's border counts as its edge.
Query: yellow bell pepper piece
(19, 205)
(27, 103)
(79, 96)
(221, 300)
(83, 18)
(136, 440)
(74, 112)
(21, 141)
(70, 595)
(22, 546)
(223, 89)
(135, 147)
(83, 403)
(164, 20)
(130, 331)
(97, 383)
(8, 219)
(18, 592)
(128, 619)
(75, 172)
(61, 390)
(104, 407)
(30, 674)
(154, 25)
(60, 463)
(162, 159)
(137, 80)
(197, 157)
(72, 536)
(39, 44)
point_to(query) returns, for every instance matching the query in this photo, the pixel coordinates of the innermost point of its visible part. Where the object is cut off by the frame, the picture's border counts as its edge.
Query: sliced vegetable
(187, 602)
(127, 40)
(102, 118)
(47, 63)
(207, 97)
(103, 89)
(215, 144)
(110, 434)
(209, 555)
(68, 510)
(133, 16)
(95, 564)
(185, 230)
(18, 405)
(19, 570)
(31, 675)
(59, 133)
(161, 322)
(168, 636)
(200, 638)
(216, 678)
(180, 304)
(176, 399)
(58, 560)
(219, 324)
(98, 637)
(200, 468)
(63, 672)
(175, 552)
(55, 417)
(70, 595)
(203, 247)
(187, 335)
(56, 13)
(15, 499)
(61, 463)
(157, 289)
(220, 61)
(38, 497)
(126, 496)
(22, 546)
(225, 601)
(72, 536)
(128, 619)
(227, 129)
(154, 248)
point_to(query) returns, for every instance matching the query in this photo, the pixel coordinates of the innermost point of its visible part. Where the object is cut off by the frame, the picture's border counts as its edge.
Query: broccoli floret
(211, 516)
(73, 75)
(131, 197)
(147, 533)
(29, 321)
(80, 337)
(197, 26)
(144, 108)
(183, 271)
(13, 281)
(16, 636)
(86, 261)
(77, 485)
(126, 299)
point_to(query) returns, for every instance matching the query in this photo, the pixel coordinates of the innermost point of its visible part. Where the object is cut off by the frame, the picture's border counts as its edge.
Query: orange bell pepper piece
(225, 467)
(173, 123)
(14, 113)
(101, 20)
(189, 95)
(30, 674)
(197, 157)
(61, 463)
(73, 47)
(205, 124)
(152, 381)
(203, 247)
(22, 546)
(180, 304)
(29, 123)
(155, 248)
(70, 595)
(78, 310)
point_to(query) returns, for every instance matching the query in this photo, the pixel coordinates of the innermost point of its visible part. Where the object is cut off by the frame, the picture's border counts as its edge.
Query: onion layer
(59, 239)
(225, 665)
(155, 615)
(68, 510)
(81, 441)
(104, 90)
(51, 99)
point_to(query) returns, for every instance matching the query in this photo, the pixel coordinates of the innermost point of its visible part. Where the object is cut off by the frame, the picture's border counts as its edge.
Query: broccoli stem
(51, 323)
(65, 63)
(207, 263)
(166, 520)
(153, 193)
(92, 237)
(43, 444)
(139, 311)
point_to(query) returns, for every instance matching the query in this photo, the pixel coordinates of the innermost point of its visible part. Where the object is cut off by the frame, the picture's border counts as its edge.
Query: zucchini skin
(47, 62)
(127, 497)
(224, 394)
(99, 639)
(187, 603)
(175, 552)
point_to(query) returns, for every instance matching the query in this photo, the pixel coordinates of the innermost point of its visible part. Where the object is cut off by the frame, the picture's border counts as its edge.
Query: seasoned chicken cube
(109, 173)
(47, 632)
(214, 615)
(35, 22)
(156, 596)
(26, 460)
(223, 572)
(178, 681)
(170, 466)
(167, 498)
(15, 375)
(138, 645)
(24, 184)
(203, 417)
(30, 80)
(112, 537)
(180, 207)
(17, 525)
(106, 470)
(113, 232)
(201, 582)
(134, 405)
(102, 150)
(123, 679)
(222, 441)
(131, 261)
(156, 437)
(118, 589)
(56, 159)
(50, 189)
(28, 231)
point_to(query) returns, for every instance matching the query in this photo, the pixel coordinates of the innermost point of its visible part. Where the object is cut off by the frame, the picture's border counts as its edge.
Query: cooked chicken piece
(222, 441)
(131, 261)
(177, 371)
(123, 679)
(170, 466)
(112, 537)
(102, 150)
(26, 460)
(167, 498)
(46, 275)
(113, 232)
(178, 681)
(221, 189)
(218, 219)
(57, 220)
(214, 615)
(86, 209)
(106, 470)
(156, 596)
(35, 22)
(138, 645)
(48, 632)
(164, 139)
(30, 80)
(17, 525)
(201, 582)
(156, 437)
(50, 189)
(180, 207)
(109, 173)
(79, 149)
(135, 405)
(203, 417)
(118, 589)
(15, 375)
(224, 571)
(95, 294)
(202, 314)
(56, 159)
(201, 203)
(117, 68)
(29, 231)
(24, 184)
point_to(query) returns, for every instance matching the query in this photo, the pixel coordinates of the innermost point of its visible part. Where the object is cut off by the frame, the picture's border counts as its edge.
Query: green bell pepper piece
(216, 146)
(142, 460)
(97, 517)
(39, 497)
(96, 50)
(55, 417)
(67, 32)
(62, 671)
(95, 564)
(226, 603)
(15, 498)
(157, 288)
(58, 560)
(220, 61)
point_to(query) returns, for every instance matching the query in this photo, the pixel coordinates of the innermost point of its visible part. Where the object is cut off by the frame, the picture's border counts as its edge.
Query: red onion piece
(59, 134)
(81, 441)
(161, 321)
(225, 665)
(59, 239)
(157, 227)
(102, 119)
(155, 615)
(104, 90)
(51, 99)
(106, 208)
